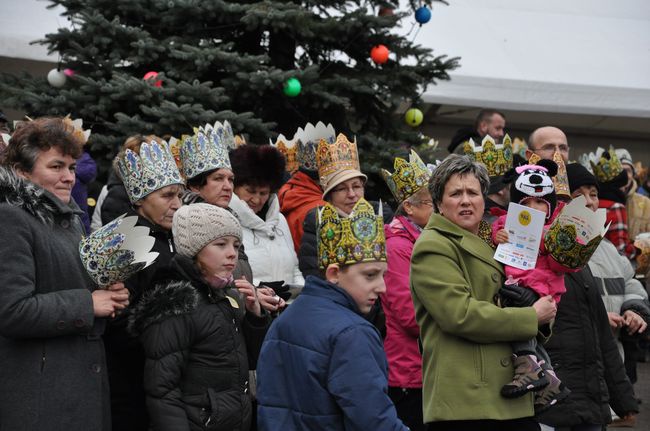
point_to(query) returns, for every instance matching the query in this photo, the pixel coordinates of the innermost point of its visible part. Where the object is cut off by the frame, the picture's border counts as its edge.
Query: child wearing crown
(322, 365)
(532, 186)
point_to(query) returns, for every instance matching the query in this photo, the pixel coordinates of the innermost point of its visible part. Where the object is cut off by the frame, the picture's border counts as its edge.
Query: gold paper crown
(289, 150)
(78, 132)
(497, 158)
(308, 138)
(348, 240)
(335, 157)
(561, 179)
(605, 164)
(408, 178)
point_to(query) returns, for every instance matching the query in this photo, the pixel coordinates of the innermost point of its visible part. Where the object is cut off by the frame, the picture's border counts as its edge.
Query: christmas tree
(229, 60)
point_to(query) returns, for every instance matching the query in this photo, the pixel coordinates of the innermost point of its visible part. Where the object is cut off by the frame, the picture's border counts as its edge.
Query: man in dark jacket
(322, 366)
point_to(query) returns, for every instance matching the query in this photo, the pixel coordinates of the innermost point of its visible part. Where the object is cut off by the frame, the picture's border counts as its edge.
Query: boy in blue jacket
(322, 365)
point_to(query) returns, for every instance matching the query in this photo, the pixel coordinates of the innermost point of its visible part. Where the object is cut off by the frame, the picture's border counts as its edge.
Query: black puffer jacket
(308, 252)
(116, 201)
(124, 354)
(199, 344)
(585, 357)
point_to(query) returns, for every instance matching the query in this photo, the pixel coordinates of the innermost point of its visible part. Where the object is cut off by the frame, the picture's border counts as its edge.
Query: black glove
(513, 295)
(280, 289)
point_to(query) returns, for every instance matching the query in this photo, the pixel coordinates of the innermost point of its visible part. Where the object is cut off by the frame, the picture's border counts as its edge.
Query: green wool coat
(467, 355)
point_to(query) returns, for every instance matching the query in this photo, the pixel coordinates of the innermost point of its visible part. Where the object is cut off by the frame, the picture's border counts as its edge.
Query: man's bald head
(544, 141)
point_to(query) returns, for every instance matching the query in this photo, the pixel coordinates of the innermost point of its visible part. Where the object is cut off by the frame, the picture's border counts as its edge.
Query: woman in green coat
(465, 336)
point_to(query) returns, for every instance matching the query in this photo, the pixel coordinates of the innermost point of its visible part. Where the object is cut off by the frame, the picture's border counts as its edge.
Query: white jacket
(268, 243)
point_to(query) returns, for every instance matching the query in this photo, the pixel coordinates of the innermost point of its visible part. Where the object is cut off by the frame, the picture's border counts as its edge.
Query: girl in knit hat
(201, 330)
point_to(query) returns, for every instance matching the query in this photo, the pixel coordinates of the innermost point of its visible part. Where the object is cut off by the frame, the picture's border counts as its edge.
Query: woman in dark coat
(52, 365)
(202, 330)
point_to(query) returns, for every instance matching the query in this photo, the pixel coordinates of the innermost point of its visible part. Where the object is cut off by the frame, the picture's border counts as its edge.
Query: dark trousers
(523, 424)
(408, 403)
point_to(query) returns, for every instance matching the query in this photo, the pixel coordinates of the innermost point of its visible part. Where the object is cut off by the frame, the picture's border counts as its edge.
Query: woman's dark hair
(456, 164)
(201, 179)
(34, 137)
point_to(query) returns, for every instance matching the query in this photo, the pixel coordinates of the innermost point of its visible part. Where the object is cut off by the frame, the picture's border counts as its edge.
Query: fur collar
(165, 300)
(18, 192)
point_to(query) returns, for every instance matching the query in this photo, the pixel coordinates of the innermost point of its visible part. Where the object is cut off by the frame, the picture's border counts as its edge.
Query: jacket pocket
(478, 363)
(229, 410)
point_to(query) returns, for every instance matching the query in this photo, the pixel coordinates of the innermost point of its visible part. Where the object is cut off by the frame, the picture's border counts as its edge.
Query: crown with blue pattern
(150, 170)
(207, 149)
(307, 141)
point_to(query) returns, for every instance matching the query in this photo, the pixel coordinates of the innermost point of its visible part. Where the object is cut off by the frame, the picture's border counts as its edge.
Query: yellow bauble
(413, 117)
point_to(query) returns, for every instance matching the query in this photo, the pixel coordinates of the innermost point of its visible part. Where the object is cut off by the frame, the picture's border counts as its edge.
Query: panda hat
(533, 181)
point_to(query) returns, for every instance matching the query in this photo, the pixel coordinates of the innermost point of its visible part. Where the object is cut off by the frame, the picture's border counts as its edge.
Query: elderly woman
(154, 187)
(201, 329)
(259, 170)
(466, 337)
(408, 183)
(52, 365)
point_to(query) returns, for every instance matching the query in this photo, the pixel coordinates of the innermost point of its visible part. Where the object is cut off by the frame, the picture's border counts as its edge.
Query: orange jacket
(297, 196)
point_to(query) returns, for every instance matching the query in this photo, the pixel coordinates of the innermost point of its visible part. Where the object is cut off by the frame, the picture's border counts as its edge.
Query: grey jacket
(52, 367)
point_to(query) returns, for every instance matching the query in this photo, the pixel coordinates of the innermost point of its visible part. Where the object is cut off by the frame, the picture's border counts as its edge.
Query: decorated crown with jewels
(605, 164)
(150, 170)
(289, 150)
(337, 156)
(561, 179)
(408, 178)
(207, 149)
(116, 251)
(497, 158)
(348, 240)
(308, 140)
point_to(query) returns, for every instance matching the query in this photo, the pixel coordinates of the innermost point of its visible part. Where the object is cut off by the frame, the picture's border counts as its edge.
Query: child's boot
(551, 394)
(529, 376)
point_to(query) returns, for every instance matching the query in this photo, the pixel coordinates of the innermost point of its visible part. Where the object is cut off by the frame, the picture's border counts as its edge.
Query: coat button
(65, 224)
(96, 368)
(60, 324)
(505, 362)
(495, 276)
(79, 323)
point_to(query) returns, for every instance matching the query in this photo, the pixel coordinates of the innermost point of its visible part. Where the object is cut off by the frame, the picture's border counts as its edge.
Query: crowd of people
(282, 299)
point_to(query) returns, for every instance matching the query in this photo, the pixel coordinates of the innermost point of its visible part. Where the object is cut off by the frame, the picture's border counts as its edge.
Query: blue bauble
(423, 15)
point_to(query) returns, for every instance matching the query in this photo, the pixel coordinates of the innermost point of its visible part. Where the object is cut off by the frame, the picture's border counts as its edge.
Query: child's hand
(250, 296)
(501, 237)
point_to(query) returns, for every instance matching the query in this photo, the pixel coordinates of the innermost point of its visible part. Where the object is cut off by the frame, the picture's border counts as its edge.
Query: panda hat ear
(550, 165)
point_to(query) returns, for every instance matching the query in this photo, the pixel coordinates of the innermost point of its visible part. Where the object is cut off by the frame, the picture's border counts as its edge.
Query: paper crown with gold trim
(561, 179)
(289, 150)
(150, 170)
(605, 164)
(78, 130)
(497, 158)
(117, 250)
(408, 178)
(348, 240)
(335, 159)
(575, 234)
(308, 138)
(207, 149)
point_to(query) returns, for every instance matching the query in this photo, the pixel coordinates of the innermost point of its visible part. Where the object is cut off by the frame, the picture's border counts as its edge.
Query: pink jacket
(402, 332)
(547, 278)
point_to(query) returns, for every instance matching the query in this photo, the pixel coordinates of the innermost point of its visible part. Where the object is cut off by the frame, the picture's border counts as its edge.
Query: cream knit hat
(196, 225)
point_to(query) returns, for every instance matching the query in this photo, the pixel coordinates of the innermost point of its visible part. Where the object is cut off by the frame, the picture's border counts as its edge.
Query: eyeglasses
(356, 189)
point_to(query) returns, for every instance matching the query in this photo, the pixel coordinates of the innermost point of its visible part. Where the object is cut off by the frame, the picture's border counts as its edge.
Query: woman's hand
(250, 296)
(107, 302)
(635, 323)
(546, 309)
(501, 236)
(615, 320)
(269, 300)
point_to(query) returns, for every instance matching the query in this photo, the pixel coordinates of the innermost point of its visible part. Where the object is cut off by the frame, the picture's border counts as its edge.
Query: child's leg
(529, 376)
(555, 391)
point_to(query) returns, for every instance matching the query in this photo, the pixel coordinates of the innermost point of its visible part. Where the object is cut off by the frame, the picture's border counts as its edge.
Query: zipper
(171, 246)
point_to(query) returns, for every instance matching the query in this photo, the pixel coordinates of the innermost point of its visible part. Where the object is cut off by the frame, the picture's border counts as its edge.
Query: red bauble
(379, 54)
(151, 76)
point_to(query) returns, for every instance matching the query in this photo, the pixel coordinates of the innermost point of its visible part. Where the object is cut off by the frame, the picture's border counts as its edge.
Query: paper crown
(561, 179)
(605, 164)
(116, 251)
(497, 158)
(77, 126)
(151, 170)
(354, 239)
(334, 157)
(408, 178)
(308, 139)
(575, 234)
(207, 149)
(289, 150)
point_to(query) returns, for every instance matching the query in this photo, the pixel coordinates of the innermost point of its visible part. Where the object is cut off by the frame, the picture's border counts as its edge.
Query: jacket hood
(300, 191)
(34, 200)
(252, 221)
(402, 227)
